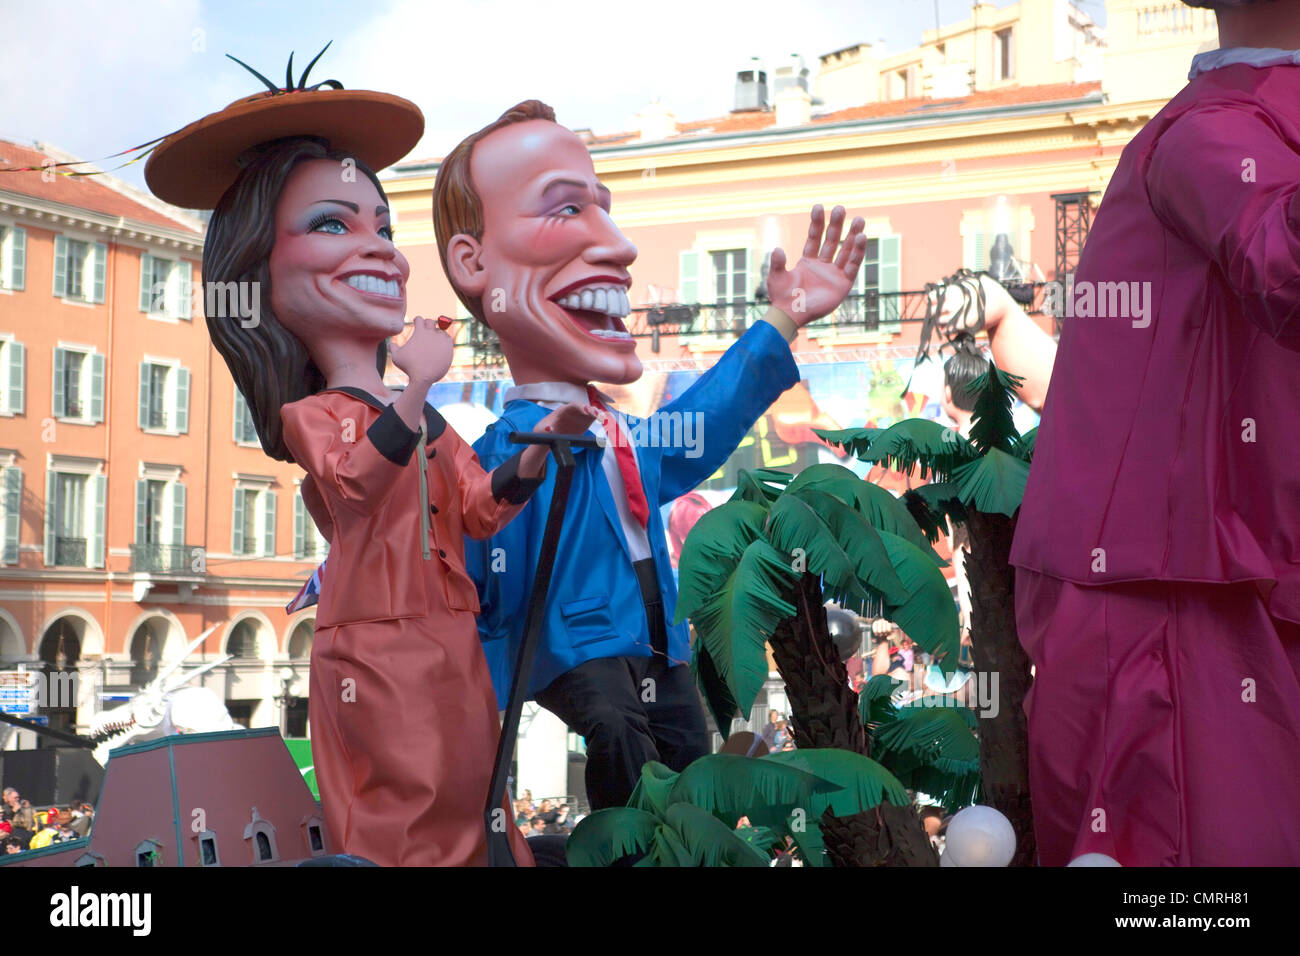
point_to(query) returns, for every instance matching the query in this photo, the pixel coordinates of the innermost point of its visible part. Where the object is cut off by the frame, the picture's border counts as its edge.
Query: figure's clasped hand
(425, 356)
(823, 277)
(571, 419)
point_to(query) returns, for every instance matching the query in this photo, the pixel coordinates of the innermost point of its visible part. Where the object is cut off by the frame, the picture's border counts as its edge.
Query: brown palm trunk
(825, 711)
(1004, 737)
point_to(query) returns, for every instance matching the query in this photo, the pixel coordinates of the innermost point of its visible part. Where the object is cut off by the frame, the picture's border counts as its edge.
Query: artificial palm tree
(690, 818)
(759, 569)
(979, 482)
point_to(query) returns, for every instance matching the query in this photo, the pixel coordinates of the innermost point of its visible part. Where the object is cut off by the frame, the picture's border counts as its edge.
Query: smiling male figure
(526, 239)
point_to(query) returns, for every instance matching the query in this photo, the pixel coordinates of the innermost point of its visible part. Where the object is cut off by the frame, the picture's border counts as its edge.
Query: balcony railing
(70, 552)
(160, 558)
(862, 312)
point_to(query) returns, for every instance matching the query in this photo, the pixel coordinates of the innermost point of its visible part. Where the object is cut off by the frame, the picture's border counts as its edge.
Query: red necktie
(626, 459)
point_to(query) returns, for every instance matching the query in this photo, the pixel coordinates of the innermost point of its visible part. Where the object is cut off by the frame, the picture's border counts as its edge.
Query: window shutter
(237, 523)
(18, 259)
(99, 496)
(268, 526)
(13, 502)
(60, 266)
(146, 282)
(241, 413)
(178, 514)
(890, 276)
(689, 277)
(141, 510)
(16, 353)
(184, 275)
(299, 529)
(181, 410)
(97, 387)
(101, 264)
(51, 478)
(59, 397)
(144, 395)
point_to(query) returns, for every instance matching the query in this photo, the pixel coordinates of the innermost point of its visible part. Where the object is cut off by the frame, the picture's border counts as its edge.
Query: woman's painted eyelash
(320, 220)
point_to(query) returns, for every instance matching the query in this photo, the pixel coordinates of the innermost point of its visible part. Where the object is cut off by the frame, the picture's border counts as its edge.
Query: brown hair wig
(271, 367)
(457, 207)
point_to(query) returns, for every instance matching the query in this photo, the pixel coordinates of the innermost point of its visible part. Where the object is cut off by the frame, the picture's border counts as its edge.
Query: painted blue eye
(387, 233)
(576, 208)
(334, 224)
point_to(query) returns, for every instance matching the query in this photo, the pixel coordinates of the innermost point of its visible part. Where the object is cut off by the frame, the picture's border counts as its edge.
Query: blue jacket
(594, 607)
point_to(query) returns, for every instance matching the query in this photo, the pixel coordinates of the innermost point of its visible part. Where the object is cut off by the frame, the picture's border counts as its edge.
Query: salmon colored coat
(403, 718)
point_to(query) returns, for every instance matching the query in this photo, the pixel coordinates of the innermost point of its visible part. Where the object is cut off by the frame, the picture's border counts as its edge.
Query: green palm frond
(991, 423)
(730, 786)
(861, 783)
(994, 483)
(812, 847)
(890, 514)
(874, 704)
(762, 839)
(929, 615)
(1025, 447)
(914, 442)
(862, 545)
(935, 507)
(796, 530)
(667, 849)
(828, 477)
(717, 695)
(707, 841)
(855, 441)
(712, 550)
(606, 836)
(652, 790)
(710, 841)
(757, 485)
(931, 749)
(734, 625)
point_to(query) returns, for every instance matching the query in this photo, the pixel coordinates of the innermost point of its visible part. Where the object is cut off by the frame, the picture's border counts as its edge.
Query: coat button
(433, 509)
(442, 553)
(433, 452)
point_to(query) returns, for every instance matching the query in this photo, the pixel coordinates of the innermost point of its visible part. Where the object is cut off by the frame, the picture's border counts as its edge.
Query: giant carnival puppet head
(526, 239)
(296, 229)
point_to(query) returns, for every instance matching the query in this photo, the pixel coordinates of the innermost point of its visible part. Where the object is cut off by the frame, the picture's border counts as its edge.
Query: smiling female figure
(404, 722)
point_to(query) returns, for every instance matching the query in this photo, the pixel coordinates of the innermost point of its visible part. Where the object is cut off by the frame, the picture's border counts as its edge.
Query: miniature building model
(233, 798)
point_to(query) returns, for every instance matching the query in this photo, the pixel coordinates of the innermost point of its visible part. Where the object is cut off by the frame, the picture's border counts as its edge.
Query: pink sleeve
(1226, 180)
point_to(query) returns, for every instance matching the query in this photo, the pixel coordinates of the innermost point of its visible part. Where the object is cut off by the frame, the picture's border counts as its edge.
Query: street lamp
(287, 675)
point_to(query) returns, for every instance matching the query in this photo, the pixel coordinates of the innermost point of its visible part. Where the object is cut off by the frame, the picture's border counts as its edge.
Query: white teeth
(612, 334)
(588, 299)
(623, 303)
(598, 302)
(375, 285)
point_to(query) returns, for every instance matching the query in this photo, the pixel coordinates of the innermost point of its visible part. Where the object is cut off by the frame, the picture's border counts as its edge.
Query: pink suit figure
(1158, 546)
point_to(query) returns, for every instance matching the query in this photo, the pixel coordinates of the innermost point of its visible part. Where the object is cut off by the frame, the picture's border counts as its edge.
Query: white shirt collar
(557, 392)
(1258, 57)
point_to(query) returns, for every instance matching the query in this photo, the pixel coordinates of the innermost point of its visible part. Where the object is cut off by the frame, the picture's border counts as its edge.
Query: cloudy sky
(94, 77)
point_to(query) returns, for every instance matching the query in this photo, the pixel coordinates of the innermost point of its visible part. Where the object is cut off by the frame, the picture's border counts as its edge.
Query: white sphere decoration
(980, 836)
(946, 860)
(1094, 859)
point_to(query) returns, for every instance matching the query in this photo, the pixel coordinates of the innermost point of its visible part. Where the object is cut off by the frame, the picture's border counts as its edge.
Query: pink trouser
(1164, 723)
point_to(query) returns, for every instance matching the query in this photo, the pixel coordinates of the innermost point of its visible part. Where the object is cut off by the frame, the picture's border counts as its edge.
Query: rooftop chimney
(751, 87)
(792, 73)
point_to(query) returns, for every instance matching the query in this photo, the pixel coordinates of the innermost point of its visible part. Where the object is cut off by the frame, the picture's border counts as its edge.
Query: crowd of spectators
(23, 827)
(552, 817)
